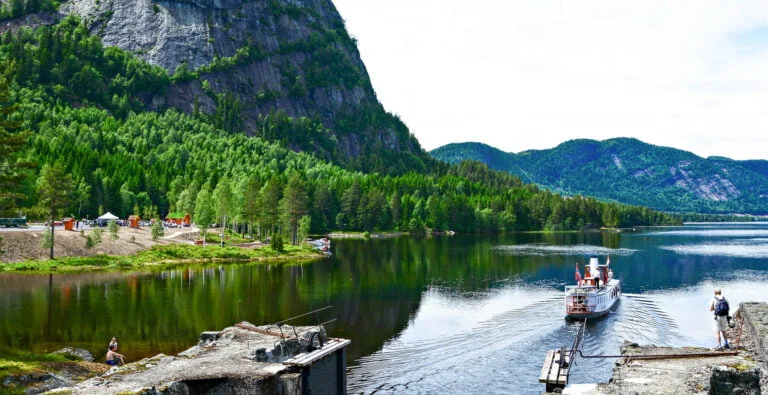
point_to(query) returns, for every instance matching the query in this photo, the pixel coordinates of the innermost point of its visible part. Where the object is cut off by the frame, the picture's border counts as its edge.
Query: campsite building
(179, 218)
(133, 221)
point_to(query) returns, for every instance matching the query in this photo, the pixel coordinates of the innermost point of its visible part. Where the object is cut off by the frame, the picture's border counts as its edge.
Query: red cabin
(179, 218)
(133, 221)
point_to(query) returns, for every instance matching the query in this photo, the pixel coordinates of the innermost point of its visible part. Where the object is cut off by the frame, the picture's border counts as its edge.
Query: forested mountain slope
(250, 64)
(83, 106)
(632, 172)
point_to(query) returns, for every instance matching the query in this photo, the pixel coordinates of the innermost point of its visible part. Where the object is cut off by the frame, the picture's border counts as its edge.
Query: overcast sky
(522, 75)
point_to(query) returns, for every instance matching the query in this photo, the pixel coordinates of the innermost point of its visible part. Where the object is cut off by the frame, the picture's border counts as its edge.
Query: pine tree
(11, 142)
(54, 191)
(395, 209)
(350, 200)
(323, 208)
(293, 206)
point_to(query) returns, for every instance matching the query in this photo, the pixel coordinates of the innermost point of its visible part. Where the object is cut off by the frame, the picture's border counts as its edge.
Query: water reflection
(456, 314)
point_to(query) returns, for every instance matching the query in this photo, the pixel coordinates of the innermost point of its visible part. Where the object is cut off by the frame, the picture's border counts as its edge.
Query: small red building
(69, 223)
(133, 221)
(179, 218)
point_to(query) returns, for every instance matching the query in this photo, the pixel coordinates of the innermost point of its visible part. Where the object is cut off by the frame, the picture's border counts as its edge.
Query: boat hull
(595, 314)
(591, 301)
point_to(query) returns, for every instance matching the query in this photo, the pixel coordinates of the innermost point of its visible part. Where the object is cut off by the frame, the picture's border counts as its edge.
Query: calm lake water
(462, 314)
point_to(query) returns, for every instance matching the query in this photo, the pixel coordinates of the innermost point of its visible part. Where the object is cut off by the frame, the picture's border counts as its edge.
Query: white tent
(108, 217)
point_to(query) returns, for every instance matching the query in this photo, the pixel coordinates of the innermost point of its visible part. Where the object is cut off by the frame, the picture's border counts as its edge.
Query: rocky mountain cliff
(633, 172)
(259, 57)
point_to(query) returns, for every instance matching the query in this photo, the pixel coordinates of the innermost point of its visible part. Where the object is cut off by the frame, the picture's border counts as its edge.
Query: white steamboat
(595, 294)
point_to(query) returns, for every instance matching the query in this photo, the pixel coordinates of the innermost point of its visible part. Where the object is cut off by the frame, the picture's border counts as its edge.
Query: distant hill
(630, 171)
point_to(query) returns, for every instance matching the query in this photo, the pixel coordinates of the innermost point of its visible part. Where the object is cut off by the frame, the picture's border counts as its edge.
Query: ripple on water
(574, 250)
(712, 233)
(451, 362)
(742, 248)
(504, 350)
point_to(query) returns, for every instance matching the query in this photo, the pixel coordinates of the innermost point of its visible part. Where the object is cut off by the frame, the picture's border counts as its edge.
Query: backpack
(721, 307)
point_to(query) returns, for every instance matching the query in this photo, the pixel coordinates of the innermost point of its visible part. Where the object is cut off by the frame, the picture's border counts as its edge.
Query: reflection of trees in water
(375, 287)
(164, 312)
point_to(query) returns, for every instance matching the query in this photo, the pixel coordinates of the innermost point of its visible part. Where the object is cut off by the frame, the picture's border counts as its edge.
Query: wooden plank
(330, 347)
(548, 361)
(551, 372)
(554, 373)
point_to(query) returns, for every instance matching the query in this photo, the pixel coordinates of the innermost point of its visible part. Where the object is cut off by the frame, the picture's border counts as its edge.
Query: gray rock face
(170, 33)
(163, 35)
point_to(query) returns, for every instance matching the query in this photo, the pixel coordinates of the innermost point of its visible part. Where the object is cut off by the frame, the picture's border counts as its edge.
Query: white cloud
(530, 75)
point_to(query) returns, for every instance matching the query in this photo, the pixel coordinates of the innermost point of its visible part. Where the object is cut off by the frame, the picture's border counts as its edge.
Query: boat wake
(505, 349)
(452, 363)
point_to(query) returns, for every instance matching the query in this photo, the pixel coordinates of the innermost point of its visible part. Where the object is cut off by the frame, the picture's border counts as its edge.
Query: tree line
(16, 8)
(79, 106)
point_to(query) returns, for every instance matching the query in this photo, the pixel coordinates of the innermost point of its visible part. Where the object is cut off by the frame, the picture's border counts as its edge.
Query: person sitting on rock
(113, 358)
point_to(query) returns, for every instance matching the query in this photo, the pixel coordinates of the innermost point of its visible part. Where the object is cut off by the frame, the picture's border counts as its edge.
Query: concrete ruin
(242, 359)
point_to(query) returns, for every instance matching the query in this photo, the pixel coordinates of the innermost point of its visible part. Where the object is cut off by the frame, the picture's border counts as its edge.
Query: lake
(460, 314)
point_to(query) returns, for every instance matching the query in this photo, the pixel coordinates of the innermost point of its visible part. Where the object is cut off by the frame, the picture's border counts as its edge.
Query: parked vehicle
(13, 222)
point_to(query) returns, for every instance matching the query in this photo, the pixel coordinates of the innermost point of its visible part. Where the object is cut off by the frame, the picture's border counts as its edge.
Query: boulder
(85, 355)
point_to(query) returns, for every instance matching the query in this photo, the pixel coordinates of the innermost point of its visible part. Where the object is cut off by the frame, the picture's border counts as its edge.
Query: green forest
(68, 103)
(630, 171)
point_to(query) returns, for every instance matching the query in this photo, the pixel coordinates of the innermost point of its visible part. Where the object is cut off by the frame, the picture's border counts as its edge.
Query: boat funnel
(593, 262)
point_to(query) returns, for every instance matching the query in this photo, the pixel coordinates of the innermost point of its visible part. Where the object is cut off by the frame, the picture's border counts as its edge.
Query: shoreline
(133, 250)
(162, 257)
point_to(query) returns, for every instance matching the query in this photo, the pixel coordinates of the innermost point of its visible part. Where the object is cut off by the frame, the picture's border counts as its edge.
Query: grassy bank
(23, 362)
(165, 256)
(21, 371)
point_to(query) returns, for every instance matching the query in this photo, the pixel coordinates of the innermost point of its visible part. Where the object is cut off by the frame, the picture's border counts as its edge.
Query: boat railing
(577, 299)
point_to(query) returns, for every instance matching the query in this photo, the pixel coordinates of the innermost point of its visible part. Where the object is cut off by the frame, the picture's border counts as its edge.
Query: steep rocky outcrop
(262, 56)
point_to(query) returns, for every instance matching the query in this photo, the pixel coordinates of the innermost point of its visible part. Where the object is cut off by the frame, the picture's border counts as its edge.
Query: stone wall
(755, 317)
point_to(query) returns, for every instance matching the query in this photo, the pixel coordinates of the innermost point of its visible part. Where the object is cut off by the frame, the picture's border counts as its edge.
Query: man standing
(719, 305)
(578, 275)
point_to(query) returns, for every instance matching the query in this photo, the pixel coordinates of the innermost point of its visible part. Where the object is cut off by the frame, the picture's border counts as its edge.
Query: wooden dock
(556, 368)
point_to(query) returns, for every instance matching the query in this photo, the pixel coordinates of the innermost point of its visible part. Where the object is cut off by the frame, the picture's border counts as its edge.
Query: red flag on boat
(578, 274)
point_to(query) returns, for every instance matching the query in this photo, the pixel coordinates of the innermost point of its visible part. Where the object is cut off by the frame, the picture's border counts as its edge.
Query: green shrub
(96, 234)
(276, 243)
(157, 230)
(47, 239)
